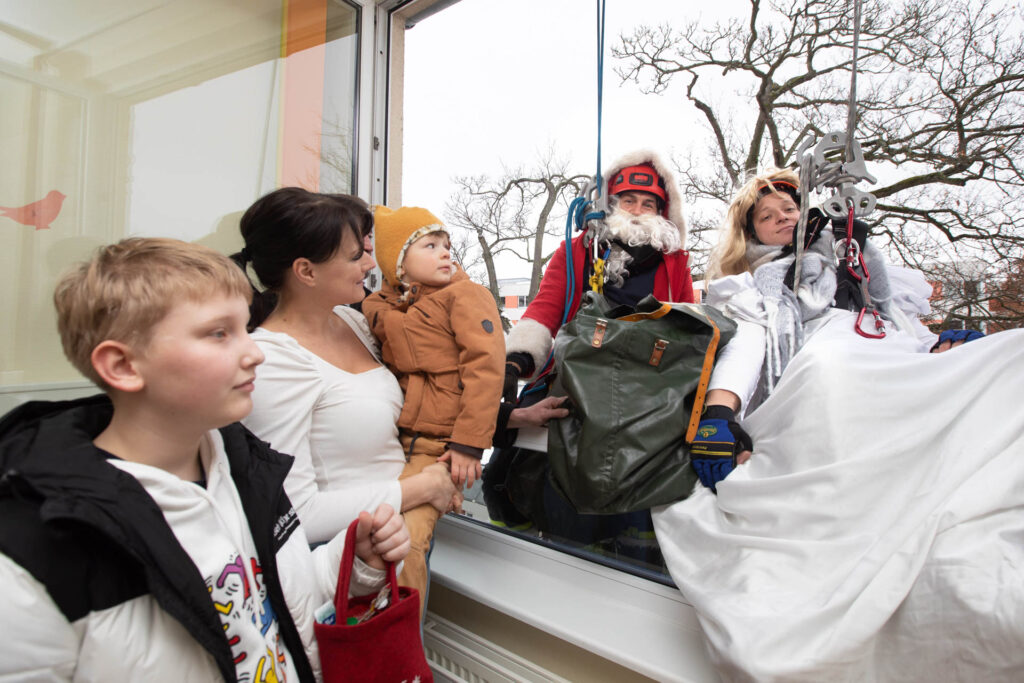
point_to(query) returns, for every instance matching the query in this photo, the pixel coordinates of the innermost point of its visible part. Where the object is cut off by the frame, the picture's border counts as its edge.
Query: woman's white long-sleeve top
(339, 426)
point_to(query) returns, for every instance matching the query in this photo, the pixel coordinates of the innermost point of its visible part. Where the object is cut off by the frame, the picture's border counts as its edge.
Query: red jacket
(672, 283)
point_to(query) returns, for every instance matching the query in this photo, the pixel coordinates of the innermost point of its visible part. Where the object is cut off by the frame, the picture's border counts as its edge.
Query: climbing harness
(850, 252)
(837, 162)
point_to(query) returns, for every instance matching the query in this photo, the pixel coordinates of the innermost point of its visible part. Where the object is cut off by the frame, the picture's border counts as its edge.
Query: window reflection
(148, 117)
(476, 107)
(531, 509)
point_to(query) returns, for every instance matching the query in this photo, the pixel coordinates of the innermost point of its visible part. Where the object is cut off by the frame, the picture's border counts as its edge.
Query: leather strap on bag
(705, 371)
(705, 379)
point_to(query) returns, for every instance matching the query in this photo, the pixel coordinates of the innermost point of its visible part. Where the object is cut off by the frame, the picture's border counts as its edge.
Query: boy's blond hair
(125, 289)
(730, 256)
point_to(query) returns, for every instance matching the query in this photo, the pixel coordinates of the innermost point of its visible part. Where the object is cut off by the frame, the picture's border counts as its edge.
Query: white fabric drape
(877, 533)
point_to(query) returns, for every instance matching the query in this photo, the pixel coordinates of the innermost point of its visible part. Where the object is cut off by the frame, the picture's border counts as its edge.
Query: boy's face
(199, 365)
(428, 260)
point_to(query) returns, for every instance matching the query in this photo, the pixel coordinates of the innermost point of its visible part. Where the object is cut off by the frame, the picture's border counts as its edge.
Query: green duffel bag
(636, 381)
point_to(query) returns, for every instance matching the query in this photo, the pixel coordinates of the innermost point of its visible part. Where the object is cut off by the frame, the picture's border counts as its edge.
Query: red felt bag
(386, 647)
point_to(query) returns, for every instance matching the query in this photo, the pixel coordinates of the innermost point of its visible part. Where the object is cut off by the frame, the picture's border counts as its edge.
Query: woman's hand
(442, 490)
(381, 537)
(455, 505)
(539, 413)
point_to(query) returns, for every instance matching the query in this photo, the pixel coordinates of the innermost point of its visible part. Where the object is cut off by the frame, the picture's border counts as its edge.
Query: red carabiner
(879, 324)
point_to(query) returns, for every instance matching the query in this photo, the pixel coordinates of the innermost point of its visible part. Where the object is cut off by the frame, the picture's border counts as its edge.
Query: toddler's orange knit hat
(394, 230)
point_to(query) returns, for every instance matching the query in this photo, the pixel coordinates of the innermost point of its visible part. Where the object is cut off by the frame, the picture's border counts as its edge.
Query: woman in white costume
(877, 530)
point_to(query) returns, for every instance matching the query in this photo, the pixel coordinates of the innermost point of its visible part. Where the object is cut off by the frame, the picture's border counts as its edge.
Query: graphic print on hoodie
(211, 526)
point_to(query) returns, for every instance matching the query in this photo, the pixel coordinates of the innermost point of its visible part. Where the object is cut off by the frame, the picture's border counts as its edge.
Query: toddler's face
(428, 261)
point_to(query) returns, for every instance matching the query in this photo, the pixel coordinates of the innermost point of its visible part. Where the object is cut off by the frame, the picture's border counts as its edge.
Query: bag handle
(348, 558)
(705, 379)
(661, 312)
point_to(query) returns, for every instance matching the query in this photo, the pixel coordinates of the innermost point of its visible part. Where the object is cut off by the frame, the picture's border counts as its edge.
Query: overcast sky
(492, 82)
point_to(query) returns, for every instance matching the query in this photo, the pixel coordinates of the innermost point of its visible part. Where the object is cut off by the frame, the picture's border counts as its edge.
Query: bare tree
(940, 109)
(335, 154)
(511, 214)
(966, 299)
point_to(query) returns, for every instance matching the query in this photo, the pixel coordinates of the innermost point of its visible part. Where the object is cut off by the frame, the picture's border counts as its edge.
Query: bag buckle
(658, 352)
(600, 327)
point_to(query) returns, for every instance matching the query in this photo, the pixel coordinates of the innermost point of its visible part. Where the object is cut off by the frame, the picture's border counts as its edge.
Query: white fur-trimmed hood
(675, 198)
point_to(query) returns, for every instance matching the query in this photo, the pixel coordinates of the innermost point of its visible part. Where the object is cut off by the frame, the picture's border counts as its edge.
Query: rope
(801, 224)
(851, 117)
(578, 209)
(808, 173)
(578, 216)
(600, 87)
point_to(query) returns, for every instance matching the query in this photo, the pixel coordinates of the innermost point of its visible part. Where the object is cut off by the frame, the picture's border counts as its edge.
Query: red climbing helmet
(639, 178)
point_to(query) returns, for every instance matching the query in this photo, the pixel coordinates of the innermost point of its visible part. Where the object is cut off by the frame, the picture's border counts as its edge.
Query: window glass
(155, 118)
(481, 107)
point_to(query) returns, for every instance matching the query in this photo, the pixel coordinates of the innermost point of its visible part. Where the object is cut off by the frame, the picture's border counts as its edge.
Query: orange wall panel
(305, 30)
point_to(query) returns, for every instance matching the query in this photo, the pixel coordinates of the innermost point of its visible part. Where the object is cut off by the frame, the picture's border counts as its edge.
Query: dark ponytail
(293, 223)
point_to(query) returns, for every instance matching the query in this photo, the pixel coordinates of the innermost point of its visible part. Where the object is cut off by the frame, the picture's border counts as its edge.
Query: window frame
(641, 624)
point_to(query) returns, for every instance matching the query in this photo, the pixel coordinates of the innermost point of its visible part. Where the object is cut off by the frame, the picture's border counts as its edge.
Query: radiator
(458, 655)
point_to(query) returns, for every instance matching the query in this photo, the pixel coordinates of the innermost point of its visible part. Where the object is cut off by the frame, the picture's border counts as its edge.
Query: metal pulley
(842, 176)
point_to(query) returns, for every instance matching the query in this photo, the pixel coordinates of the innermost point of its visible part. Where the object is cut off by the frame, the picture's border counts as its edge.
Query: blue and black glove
(954, 336)
(719, 440)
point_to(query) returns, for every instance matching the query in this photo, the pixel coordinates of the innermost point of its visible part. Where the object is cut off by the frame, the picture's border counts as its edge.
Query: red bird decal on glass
(39, 214)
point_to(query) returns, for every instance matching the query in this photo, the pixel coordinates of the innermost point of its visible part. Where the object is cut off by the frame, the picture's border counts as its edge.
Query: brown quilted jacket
(447, 348)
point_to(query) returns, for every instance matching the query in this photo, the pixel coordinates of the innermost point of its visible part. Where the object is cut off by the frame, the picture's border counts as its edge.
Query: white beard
(635, 231)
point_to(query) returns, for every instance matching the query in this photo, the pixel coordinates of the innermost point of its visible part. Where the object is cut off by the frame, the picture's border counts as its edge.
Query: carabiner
(850, 254)
(879, 324)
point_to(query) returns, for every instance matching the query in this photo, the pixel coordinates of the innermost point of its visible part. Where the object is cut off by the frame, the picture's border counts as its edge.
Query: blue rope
(576, 209)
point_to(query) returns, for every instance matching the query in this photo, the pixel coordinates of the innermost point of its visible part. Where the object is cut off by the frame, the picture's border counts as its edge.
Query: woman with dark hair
(322, 394)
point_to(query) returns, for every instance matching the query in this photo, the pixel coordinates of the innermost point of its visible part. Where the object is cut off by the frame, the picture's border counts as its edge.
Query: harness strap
(853, 278)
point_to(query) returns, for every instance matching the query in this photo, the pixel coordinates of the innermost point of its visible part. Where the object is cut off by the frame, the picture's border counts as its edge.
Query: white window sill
(639, 624)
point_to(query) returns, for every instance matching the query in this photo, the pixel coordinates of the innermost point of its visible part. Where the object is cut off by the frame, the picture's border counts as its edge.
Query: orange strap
(705, 371)
(653, 315)
(705, 379)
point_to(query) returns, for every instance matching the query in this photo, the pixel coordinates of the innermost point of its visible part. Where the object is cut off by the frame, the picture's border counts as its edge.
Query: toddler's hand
(465, 468)
(381, 537)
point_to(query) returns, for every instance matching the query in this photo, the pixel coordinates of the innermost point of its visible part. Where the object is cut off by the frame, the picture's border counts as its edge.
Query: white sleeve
(738, 366)
(327, 559)
(911, 294)
(288, 389)
(36, 642)
(326, 513)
